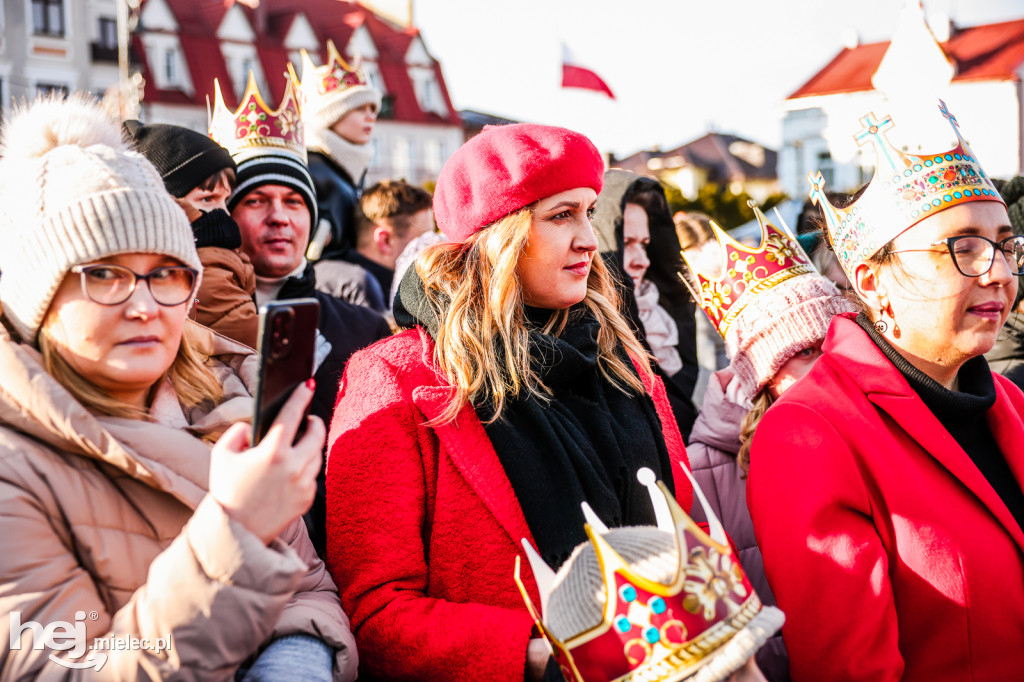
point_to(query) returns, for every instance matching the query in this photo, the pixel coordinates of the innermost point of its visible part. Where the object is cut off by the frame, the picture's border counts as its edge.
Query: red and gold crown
(255, 128)
(745, 272)
(657, 631)
(906, 188)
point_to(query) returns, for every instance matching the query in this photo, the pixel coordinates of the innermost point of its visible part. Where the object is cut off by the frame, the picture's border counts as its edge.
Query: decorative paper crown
(906, 188)
(746, 272)
(650, 630)
(320, 84)
(255, 128)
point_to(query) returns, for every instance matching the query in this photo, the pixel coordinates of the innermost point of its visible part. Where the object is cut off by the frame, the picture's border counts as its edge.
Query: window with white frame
(428, 90)
(48, 17)
(107, 33)
(401, 158)
(432, 156)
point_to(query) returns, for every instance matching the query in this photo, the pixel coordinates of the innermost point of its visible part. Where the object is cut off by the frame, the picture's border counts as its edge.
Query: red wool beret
(505, 168)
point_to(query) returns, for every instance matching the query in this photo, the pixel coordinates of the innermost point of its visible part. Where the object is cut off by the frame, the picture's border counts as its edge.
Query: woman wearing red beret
(517, 393)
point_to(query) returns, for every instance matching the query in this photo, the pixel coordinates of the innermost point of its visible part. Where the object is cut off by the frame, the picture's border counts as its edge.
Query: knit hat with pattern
(778, 324)
(73, 192)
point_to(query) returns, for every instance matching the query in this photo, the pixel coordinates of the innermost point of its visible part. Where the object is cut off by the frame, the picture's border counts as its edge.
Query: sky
(678, 68)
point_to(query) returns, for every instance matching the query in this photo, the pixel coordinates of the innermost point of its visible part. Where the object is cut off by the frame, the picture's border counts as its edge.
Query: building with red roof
(978, 71)
(184, 45)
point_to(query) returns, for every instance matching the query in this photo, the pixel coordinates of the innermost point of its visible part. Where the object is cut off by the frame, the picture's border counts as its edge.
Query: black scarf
(584, 444)
(216, 228)
(963, 414)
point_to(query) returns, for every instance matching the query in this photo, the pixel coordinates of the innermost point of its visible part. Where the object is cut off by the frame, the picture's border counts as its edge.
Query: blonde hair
(762, 401)
(193, 382)
(482, 339)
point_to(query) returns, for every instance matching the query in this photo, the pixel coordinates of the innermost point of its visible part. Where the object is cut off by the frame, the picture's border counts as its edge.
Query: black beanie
(183, 157)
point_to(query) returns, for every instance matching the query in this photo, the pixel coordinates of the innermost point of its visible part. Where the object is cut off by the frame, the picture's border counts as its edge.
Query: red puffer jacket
(423, 525)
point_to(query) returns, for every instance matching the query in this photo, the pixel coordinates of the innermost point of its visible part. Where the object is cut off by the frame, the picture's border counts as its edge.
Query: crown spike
(542, 574)
(593, 519)
(254, 127)
(785, 226)
(717, 531)
(662, 514)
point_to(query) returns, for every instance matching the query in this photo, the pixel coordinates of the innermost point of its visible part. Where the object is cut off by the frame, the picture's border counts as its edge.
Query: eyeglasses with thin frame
(974, 255)
(108, 284)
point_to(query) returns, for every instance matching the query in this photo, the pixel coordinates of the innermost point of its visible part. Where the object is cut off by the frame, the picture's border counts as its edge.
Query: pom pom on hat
(505, 168)
(72, 192)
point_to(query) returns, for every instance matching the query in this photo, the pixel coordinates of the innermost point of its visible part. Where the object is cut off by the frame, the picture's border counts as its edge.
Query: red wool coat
(890, 553)
(423, 526)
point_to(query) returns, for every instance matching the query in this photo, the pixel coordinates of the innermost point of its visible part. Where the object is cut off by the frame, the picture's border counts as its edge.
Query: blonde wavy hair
(193, 382)
(761, 402)
(482, 339)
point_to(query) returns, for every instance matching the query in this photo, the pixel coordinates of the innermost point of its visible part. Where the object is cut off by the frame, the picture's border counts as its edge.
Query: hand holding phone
(268, 485)
(287, 345)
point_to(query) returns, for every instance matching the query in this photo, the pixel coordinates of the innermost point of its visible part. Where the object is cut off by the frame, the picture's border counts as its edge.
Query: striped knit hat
(778, 324)
(73, 192)
(271, 166)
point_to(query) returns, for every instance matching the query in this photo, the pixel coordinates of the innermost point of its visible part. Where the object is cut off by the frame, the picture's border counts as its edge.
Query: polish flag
(576, 76)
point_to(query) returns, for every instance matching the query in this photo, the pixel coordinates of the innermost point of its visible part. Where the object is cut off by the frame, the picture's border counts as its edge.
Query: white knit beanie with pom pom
(72, 192)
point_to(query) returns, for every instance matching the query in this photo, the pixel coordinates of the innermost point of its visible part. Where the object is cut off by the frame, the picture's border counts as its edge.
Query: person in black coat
(620, 189)
(275, 206)
(1007, 356)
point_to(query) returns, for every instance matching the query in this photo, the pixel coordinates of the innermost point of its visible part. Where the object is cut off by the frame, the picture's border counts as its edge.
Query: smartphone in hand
(286, 344)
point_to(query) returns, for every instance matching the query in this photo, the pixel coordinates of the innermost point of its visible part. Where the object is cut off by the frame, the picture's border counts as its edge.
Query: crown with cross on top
(906, 188)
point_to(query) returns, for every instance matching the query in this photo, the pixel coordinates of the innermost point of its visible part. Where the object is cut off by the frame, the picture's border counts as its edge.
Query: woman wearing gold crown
(886, 486)
(517, 393)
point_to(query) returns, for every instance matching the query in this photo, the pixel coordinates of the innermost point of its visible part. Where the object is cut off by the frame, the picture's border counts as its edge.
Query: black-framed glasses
(108, 284)
(974, 255)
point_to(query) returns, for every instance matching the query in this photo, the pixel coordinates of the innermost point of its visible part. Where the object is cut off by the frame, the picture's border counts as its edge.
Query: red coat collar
(851, 353)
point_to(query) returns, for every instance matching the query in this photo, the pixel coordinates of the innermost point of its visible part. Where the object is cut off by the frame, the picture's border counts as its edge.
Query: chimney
(851, 39)
(940, 25)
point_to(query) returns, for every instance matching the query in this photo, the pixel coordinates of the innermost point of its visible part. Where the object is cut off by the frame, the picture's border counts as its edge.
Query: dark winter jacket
(666, 263)
(713, 446)
(1007, 356)
(348, 328)
(336, 197)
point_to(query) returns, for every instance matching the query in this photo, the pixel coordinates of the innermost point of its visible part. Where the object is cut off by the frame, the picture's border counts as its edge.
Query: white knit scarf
(354, 158)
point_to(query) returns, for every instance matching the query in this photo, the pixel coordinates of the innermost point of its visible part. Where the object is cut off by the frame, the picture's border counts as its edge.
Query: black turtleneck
(963, 414)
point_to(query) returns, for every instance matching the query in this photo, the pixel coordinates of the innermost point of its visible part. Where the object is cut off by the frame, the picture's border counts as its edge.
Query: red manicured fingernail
(311, 384)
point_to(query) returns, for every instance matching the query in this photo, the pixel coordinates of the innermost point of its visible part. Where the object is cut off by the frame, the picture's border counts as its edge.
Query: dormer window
(428, 90)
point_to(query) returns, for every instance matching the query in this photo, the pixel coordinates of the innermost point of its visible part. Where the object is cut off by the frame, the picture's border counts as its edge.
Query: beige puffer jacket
(105, 524)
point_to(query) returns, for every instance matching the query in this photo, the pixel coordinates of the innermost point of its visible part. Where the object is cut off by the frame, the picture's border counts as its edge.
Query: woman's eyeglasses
(974, 255)
(114, 284)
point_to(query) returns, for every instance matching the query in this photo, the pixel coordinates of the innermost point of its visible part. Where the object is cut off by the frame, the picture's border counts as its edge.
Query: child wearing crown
(886, 485)
(773, 338)
(339, 109)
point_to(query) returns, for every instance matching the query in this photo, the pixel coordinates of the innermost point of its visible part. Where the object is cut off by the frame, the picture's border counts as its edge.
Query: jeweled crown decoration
(746, 272)
(652, 631)
(321, 83)
(254, 127)
(906, 188)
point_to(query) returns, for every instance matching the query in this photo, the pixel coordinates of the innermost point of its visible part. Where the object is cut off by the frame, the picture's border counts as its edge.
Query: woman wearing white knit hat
(118, 522)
